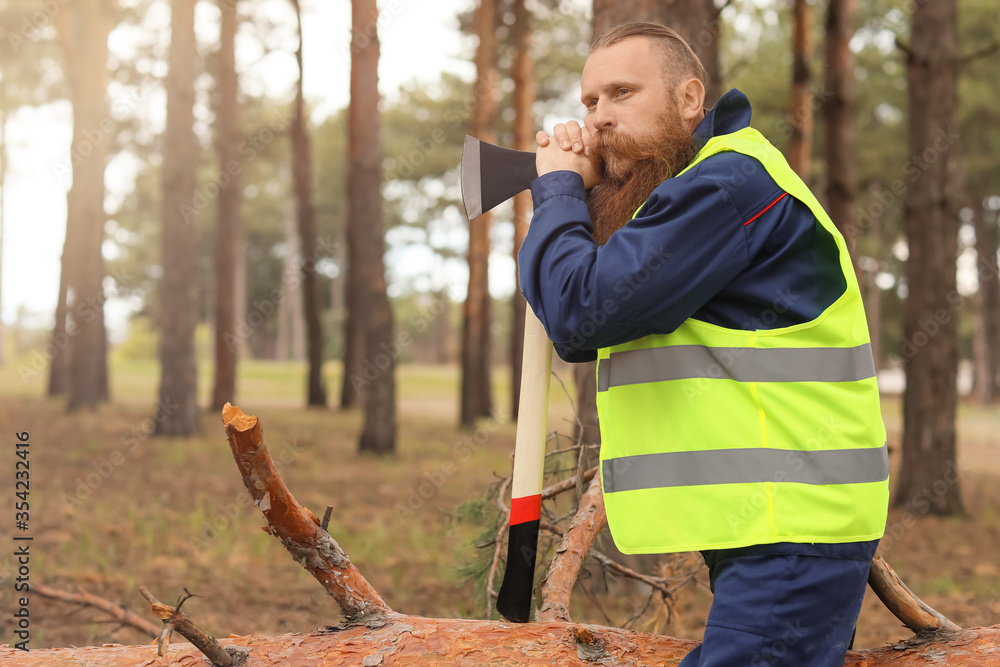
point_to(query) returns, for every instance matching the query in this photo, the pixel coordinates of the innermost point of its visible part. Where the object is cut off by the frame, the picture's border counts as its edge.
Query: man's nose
(602, 118)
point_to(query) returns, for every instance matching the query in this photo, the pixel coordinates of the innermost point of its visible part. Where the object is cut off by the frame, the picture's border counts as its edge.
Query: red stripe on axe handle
(527, 508)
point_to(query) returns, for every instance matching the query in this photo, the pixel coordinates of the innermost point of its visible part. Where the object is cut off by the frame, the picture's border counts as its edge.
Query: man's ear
(690, 95)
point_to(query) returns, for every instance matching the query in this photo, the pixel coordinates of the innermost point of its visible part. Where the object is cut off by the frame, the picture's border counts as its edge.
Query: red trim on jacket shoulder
(765, 209)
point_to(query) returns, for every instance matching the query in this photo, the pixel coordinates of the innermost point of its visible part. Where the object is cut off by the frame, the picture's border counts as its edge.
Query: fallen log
(374, 635)
(396, 639)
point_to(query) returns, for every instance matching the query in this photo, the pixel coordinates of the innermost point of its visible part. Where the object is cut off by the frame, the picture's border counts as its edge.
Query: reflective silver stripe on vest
(745, 466)
(745, 364)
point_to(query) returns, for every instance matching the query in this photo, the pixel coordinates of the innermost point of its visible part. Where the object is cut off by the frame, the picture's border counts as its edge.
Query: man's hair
(677, 60)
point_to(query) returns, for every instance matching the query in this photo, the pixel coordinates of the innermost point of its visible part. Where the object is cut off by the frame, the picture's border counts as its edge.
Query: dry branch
(174, 619)
(397, 639)
(565, 565)
(568, 484)
(904, 605)
(116, 611)
(297, 528)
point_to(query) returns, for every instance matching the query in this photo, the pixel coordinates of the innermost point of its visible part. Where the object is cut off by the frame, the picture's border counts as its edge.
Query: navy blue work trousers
(783, 609)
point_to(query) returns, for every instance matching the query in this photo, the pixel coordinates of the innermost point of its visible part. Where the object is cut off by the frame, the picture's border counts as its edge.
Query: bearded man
(738, 404)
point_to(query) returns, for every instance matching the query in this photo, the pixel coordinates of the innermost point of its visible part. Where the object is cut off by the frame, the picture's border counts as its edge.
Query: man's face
(623, 90)
(637, 127)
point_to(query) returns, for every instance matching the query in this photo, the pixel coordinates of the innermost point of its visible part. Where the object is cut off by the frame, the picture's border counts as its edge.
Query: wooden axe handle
(514, 598)
(532, 409)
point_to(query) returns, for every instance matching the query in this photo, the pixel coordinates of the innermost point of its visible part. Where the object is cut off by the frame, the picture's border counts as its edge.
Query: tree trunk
(986, 339)
(928, 479)
(801, 109)
(302, 173)
(477, 398)
(177, 409)
(524, 139)
(396, 639)
(83, 32)
(3, 180)
(697, 21)
(873, 293)
(291, 342)
(227, 227)
(365, 205)
(838, 122)
(59, 363)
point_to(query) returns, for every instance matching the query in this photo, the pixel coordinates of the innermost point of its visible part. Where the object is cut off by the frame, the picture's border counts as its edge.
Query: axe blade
(491, 175)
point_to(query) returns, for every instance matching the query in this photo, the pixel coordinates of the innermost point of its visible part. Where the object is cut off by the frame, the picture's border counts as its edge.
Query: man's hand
(568, 149)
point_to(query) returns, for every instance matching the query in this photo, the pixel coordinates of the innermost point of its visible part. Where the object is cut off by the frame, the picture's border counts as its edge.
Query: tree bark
(927, 479)
(396, 639)
(177, 409)
(59, 363)
(873, 293)
(476, 399)
(3, 181)
(557, 587)
(801, 106)
(302, 174)
(838, 122)
(297, 528)
(291, 343)
(697, 21)
(365, 197)
(524, 131)
(227, 227)
(83, 33)
(986, 338)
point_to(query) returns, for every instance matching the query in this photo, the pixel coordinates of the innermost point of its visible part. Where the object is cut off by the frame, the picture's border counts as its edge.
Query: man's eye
(623, 89)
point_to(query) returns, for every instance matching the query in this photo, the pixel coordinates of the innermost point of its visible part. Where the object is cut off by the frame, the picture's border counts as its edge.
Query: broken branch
(904, 605)
(565, 565)
(567, 484)
(297, 528)
(177, 620)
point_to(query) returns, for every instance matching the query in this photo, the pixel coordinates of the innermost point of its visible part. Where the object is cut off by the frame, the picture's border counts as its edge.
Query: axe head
(492, 175)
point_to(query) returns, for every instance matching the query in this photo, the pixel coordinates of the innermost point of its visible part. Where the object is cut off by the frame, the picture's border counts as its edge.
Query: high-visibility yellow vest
(717, 438)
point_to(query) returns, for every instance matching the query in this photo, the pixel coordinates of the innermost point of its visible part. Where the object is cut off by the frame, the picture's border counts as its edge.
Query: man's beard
(632, 168)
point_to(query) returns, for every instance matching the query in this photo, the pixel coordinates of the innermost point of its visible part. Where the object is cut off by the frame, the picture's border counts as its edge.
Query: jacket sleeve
(687, 243)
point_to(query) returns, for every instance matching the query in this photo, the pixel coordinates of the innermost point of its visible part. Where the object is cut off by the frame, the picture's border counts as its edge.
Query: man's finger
(542, 138)
(561, 136)
(574, 132)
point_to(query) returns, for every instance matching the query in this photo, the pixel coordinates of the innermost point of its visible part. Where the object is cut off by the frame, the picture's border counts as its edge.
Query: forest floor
(113, 508)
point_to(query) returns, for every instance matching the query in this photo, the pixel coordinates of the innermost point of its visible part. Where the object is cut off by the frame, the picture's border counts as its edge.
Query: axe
(491, 175)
